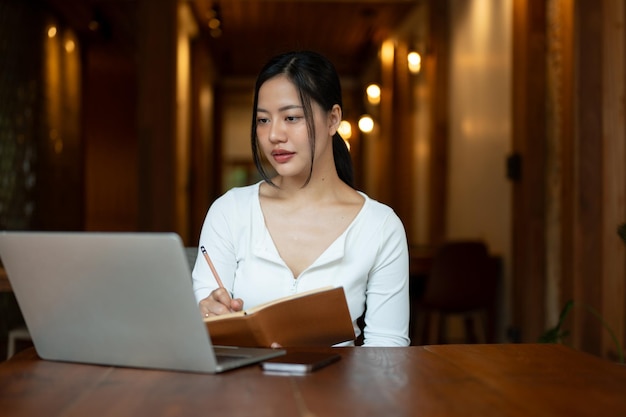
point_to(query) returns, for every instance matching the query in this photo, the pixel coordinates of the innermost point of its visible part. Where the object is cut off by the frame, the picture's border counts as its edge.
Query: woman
(305, 227)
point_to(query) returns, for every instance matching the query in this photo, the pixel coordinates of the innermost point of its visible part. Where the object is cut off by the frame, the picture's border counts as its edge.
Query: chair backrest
(192, 253)
(463, 277)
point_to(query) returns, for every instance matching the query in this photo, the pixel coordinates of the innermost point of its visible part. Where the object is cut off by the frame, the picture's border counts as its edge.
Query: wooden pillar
(385, 145)
(401, 156)
(587, 161)
(205, 160)
(560, 162)
(588, 179)
(438, 66)
(157, 34)
(614, 174)
(529, 137)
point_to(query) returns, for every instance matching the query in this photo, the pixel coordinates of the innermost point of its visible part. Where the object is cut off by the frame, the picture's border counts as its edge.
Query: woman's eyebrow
(284, 108)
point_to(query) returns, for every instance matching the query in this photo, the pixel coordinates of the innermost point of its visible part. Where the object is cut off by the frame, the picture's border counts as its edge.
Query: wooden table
(448, 380)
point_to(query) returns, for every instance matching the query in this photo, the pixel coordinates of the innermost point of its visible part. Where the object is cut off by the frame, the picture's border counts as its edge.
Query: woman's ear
(334, 118)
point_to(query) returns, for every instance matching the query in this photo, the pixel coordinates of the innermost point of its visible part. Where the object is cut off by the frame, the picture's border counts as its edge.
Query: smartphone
(299, 363)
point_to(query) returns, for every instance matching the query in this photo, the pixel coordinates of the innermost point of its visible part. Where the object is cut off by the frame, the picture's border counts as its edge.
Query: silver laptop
(122, 299)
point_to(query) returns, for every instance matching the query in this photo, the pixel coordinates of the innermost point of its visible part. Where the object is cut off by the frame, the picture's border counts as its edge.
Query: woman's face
(282, 131)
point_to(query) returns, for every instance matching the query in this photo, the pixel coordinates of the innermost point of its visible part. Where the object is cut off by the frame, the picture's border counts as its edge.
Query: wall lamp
(366, 123)
(415, 62)
(373, 93)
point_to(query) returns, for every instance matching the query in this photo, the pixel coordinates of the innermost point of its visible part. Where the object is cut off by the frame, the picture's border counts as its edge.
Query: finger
(222, 296)
(214, 309)
(236, 304)
(211, 306)
(205, 308)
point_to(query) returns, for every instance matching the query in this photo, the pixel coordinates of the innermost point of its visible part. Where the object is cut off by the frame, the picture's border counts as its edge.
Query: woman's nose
(277, 133)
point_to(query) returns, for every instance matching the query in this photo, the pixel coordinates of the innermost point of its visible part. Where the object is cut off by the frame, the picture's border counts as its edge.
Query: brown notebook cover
(315, 318)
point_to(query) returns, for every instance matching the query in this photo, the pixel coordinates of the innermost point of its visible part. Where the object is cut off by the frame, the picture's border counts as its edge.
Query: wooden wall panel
(586, 120)
(614, 174)
(205, 169)
(566, 138)
(529, 137)
(110, 132)
(156, 115)
(403, 137)
(438, 63)
(588, 182)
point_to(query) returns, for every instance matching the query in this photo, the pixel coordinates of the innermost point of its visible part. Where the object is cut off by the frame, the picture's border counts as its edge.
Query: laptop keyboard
(225, 358)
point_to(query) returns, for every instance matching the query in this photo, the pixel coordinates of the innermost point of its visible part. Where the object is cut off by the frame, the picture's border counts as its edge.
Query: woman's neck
(321, 187)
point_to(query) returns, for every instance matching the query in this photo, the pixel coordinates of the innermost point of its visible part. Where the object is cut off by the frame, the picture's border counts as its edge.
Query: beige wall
(479, 194)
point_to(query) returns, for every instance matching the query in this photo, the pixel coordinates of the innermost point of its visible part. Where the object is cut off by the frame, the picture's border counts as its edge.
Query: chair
(19, 334)
(463, 281)
(191, 252)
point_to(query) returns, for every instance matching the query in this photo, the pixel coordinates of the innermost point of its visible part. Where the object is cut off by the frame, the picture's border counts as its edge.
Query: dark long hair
(316, 79)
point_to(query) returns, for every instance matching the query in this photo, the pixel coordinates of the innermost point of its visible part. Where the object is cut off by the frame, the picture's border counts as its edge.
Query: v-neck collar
(264, 247)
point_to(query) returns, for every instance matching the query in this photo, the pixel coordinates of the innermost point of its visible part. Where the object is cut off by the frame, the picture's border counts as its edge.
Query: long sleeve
(217, 236)
(387, 293)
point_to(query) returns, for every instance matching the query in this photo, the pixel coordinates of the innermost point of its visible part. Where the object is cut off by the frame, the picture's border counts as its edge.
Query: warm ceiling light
(345, 129)
(366, 124)
(373, 93)
(52, 31)
(214, 23)
(415, 62)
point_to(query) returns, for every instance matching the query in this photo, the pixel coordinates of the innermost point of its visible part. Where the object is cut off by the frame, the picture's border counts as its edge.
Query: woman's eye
(261, 120)
(292, 118)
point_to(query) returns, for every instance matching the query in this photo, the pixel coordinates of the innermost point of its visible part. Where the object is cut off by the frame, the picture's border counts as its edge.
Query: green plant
(557, 334)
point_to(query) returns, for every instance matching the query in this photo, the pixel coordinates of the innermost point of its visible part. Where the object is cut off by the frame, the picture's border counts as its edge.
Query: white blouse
(369, 260)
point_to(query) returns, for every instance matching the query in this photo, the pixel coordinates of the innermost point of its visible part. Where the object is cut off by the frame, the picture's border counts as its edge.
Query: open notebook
(122, 299)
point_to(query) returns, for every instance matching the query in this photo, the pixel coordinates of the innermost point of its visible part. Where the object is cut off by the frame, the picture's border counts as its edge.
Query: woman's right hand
(219, 302)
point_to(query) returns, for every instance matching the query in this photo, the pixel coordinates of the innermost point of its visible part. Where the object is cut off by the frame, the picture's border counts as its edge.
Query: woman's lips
(282, 156)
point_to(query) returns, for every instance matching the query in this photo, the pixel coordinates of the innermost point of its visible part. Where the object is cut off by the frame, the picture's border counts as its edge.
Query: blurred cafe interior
(492, 121)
